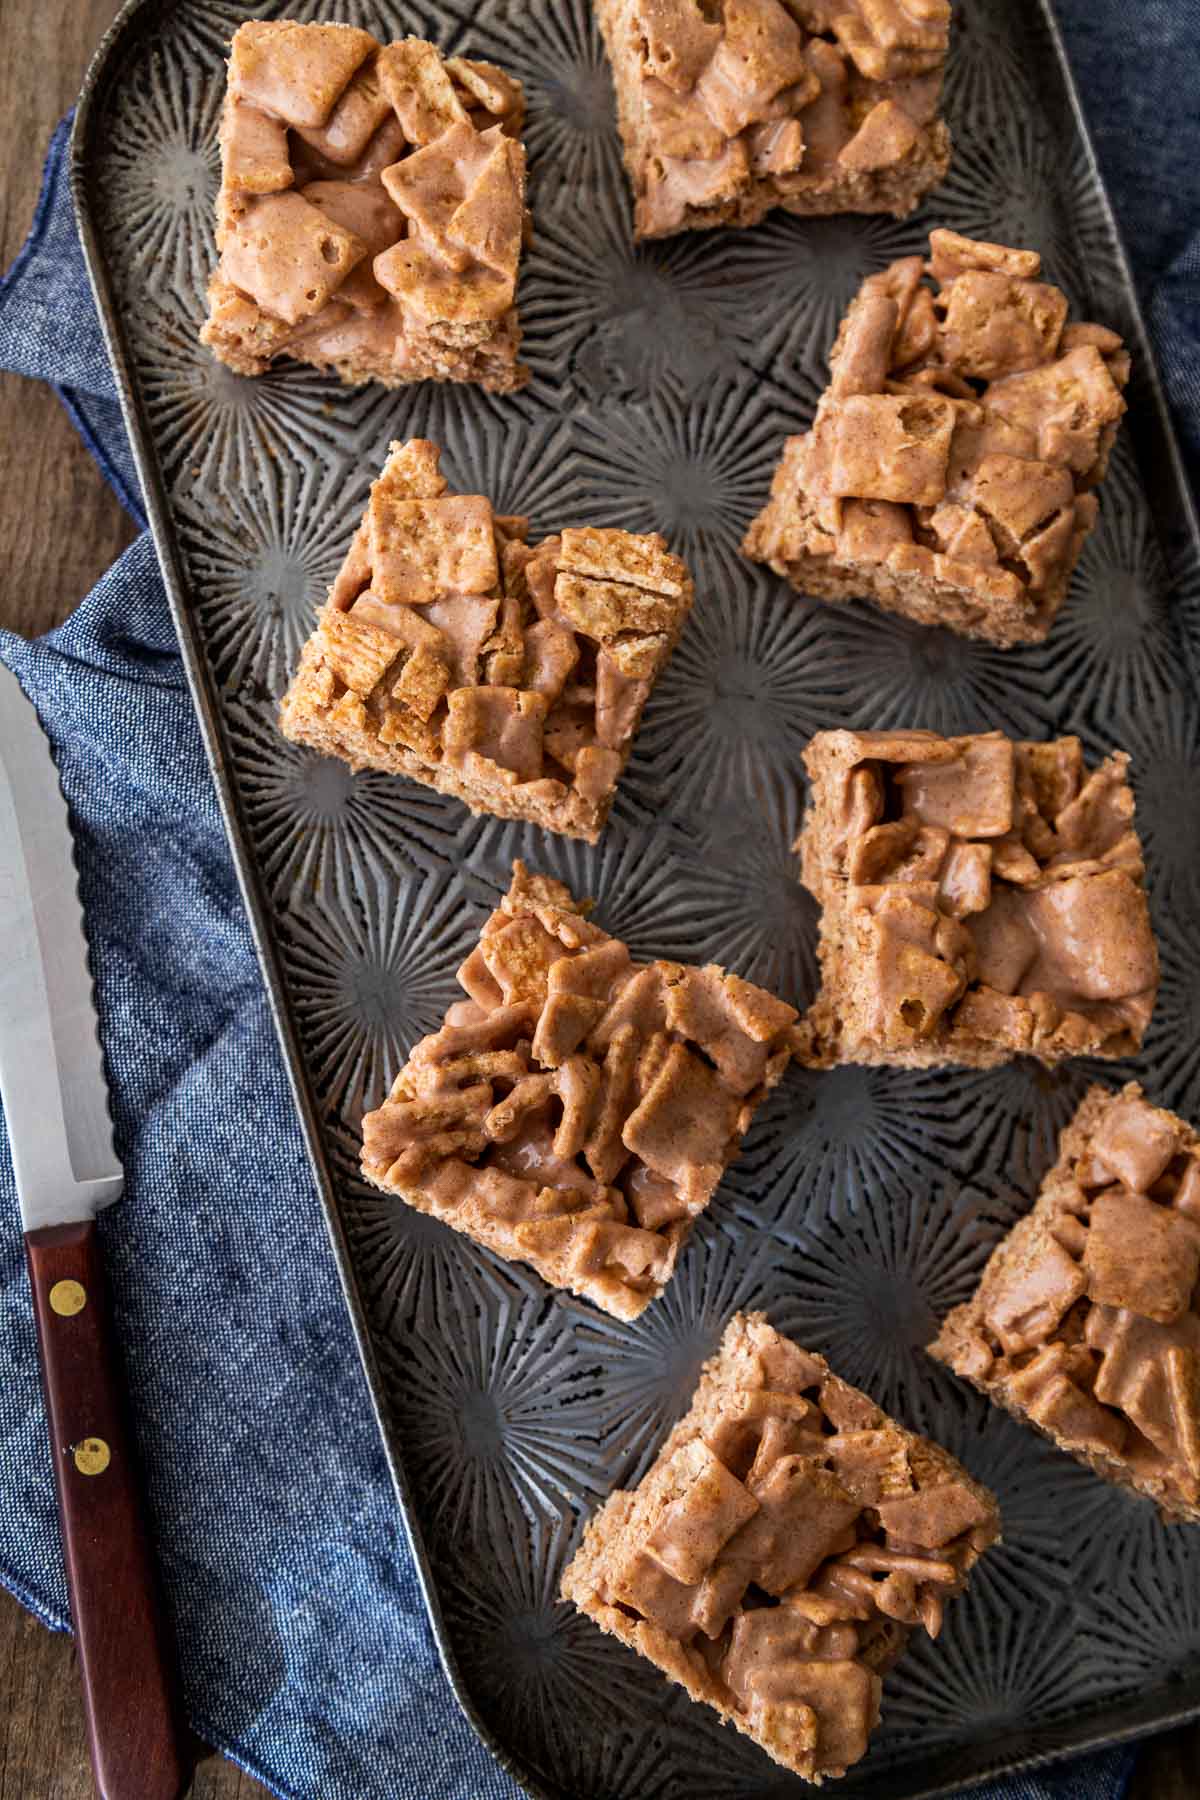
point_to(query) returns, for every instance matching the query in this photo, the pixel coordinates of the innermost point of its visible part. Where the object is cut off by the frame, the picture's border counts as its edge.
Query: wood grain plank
(1168, 1767)
(60, 524)
(43, 1744)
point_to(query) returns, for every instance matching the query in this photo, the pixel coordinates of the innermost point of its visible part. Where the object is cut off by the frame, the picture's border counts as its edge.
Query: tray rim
(132, 13)
(137, 16)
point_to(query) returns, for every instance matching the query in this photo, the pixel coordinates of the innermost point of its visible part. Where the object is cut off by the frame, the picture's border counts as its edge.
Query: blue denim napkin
(306, 1654)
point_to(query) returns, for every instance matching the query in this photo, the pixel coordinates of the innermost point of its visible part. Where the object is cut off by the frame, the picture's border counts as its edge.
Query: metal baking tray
(865, 1201)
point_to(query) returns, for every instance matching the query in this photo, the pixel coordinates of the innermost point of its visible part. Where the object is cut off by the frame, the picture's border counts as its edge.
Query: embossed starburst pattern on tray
(865, 1202)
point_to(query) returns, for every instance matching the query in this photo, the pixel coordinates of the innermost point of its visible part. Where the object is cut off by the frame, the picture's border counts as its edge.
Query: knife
(56, 1108)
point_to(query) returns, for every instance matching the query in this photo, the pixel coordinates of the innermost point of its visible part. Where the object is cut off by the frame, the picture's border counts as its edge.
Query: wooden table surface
(60, 527)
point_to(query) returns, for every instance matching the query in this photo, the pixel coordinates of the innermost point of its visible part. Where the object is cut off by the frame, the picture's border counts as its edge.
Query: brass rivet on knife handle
(68, 1298)
(92, 1456)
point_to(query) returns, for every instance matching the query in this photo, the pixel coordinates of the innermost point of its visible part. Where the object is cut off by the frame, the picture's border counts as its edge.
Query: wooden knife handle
(124, 1650)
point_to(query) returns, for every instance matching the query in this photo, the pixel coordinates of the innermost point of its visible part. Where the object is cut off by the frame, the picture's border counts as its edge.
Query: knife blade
(55, 1100)
(51, 1073)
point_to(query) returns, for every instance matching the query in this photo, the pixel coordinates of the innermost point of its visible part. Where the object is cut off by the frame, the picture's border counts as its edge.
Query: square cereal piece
(372, 209)
(728, 110)
(511, 676)
(980, 898)
(949, 471)
(785, 1542)
(577, 1111)
(1086, 1323)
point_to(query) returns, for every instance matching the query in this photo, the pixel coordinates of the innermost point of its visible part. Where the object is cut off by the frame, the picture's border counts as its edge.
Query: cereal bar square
(577, 1111)
(509, 675)
(979, 898)
(371, 211)
(732, 108)
(950, 472)
(1086, 1323)
(784, 1544)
